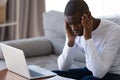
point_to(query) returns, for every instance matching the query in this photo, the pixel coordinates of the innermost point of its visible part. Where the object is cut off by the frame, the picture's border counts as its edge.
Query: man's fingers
(69, 30)
(67, 26)
(86, 20)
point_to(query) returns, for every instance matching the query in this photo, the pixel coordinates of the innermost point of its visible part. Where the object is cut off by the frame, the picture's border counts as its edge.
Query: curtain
(30, 20)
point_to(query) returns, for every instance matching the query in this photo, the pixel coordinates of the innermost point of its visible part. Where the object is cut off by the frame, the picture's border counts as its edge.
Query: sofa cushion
(54, 25)
(32, 47)
(54, 28)
(48, 62)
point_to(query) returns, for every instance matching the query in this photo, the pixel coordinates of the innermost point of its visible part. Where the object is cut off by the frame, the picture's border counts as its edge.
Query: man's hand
(87, 23)
(70, 34)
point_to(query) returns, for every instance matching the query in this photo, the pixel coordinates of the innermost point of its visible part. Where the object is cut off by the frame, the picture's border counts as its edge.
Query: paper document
(59, 78)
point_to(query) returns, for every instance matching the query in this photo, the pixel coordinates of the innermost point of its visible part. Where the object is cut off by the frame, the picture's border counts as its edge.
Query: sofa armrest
(32, 47)
(57, 44)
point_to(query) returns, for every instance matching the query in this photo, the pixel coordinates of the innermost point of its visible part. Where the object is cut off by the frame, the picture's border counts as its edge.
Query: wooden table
(8, 75)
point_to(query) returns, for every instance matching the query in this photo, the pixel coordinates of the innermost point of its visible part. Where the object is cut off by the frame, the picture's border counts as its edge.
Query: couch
(44, 51)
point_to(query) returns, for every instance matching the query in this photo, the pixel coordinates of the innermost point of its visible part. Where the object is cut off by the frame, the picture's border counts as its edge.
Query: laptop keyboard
(34, 73)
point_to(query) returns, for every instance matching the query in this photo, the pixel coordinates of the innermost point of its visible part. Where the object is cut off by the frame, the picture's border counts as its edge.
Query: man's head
(74, 11)
(76, 6)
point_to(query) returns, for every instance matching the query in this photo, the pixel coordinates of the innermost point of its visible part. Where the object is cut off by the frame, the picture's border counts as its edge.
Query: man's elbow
(63, 66)
(100, 73)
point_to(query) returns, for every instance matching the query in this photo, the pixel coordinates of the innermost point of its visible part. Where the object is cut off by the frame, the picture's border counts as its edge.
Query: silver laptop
(16, 62)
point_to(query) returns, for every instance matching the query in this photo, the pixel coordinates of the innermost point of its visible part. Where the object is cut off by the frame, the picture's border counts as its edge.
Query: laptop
(16, 62)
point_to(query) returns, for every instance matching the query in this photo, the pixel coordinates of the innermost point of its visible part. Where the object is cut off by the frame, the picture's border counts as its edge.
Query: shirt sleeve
(66, 58)
(100, 63)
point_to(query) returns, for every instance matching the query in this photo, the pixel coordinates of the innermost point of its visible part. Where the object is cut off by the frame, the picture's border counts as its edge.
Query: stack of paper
(59, 78)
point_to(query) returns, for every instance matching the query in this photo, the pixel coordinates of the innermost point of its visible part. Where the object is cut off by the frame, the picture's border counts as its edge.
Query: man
(99, 40)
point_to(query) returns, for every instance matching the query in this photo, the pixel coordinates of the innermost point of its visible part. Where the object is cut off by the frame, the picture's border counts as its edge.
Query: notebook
(16, 62)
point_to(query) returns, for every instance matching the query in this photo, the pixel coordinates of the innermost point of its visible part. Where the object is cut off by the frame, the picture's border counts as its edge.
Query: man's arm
(100, 63)
(66, 58)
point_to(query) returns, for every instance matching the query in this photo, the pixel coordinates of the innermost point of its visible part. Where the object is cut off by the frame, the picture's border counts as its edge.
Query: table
(8, 75)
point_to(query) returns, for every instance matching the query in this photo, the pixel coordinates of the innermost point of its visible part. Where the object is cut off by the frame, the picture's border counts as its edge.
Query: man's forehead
(73, 19)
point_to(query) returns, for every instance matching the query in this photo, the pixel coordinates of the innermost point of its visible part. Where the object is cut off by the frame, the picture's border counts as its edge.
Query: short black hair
(76, 6)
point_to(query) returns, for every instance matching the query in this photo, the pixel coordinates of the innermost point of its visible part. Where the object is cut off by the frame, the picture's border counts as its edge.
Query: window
(104, 8)
(57, 5)
(98, 8)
